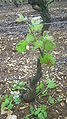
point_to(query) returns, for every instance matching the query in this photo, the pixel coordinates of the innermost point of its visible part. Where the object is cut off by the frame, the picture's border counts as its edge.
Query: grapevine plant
(45, 44)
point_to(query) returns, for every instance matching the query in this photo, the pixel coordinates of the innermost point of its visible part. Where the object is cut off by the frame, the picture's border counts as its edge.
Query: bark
(44, 12)
(30, 94)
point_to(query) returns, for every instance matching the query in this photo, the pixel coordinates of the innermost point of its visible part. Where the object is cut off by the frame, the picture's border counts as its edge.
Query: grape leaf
(37, 44)
(10, 106)
(37, 27)
(49, 45)
(21, 18)
(27, 117)
(21, 46)
(17, 99)
(51, 100)
(48, 42)
(47, 59)
(36, 20)
(37, 111)
(45, 115)
(51, 84)
(41, 116)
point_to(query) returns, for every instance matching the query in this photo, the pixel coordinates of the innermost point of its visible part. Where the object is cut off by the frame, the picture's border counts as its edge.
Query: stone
(62, 104)
(66, 100)
(65, 117)
(58, 90)
(11, 117)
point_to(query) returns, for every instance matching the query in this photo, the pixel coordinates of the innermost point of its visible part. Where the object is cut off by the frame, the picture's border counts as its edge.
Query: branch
(38, 74)
(50, 2)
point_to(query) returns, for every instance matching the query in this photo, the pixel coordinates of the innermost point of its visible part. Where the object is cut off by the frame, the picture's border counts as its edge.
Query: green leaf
(3, 105)
(17, 99)
(40, 116)
(19, 86)
(44, 93)
(27, 117)
(41, 38)
(10, 98)
(51, 100)
(22, 84)
(47, 81)
(7, 101)
(47, 59)
(45, 34)
(10, 106)
(19, 1)
(51, 84)
(49, 43)
(29, 38)
(45, 115)
(21, 18)
(39, 87)
(37, 111)
(5, 97)
(36, 24)
(43, 107)
(32, 110)
(37, 44)
(21, 46)
(35, 21)
(37, 27)
(59, 98)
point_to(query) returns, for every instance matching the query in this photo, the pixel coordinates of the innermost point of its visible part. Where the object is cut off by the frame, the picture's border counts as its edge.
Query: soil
(15, 66)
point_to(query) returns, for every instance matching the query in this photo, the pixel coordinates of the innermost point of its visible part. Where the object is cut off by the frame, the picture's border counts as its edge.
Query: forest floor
(15, 66)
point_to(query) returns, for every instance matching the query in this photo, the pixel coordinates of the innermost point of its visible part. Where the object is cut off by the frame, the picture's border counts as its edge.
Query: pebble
(27, 48)
(60, 117)
(66, 100)
(57, 111)
(65, 117)
(61, 73)
(62, 104)
(59, 90)
(11, 117)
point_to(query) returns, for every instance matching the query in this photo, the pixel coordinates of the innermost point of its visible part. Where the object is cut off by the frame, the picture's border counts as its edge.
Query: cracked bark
(44, 12)
(30, 94)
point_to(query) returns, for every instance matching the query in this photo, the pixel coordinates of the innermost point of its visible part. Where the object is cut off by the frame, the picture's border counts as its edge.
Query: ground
(18, 66)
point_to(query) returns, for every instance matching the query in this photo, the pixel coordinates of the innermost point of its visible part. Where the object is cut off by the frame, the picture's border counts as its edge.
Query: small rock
(9, 112)
(27, 48)
(62, 104)
(58, 90)
(55, 52)
(65, 117)
(60, 37)
(60, 117)
(3, 112)
(11, 117)
(66, 100)
(57, 111)
(58, 77)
